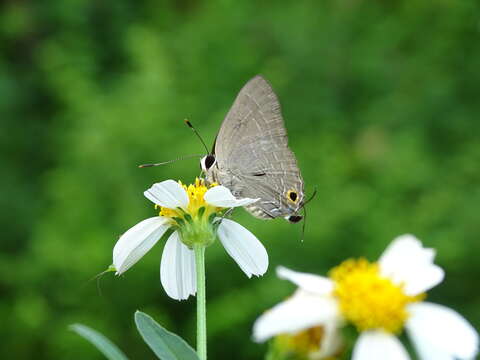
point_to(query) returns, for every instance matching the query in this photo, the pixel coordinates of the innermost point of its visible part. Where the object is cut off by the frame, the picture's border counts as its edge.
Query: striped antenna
(171, 161)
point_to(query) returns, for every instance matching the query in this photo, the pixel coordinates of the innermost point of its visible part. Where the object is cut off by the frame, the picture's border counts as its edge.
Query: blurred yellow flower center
(302, 343)
(195, 193)
(369, 300)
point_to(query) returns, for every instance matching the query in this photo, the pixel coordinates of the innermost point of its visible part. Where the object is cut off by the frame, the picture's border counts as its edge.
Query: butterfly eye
(292, 196)
(207, 162)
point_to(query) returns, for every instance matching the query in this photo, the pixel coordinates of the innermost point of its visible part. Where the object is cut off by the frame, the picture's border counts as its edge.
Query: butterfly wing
(253, 158)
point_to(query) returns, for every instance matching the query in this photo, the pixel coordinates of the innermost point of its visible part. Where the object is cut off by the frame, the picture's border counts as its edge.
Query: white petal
(331, 342)
(136, 242)
(177, 269)
(222, 197)
(407, 262)
(433, 326)
(309, 282)
(379, 345)
(299, 312)
(247, 251)
(169, 194)
(427, 351)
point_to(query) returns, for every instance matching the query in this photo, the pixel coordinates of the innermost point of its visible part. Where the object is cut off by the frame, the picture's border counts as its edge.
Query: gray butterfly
(251, 157)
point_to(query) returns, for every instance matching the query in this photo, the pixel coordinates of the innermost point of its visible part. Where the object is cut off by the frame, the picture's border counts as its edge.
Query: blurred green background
(380, 99)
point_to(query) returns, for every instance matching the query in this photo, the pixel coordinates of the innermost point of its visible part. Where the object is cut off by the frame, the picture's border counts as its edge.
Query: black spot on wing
(295, 218)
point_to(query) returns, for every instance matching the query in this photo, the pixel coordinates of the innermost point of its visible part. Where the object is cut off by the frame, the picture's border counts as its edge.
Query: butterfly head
(207, 162)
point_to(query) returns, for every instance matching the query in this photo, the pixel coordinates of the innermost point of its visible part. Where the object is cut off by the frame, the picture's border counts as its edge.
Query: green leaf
(166, 345)
(106, 347)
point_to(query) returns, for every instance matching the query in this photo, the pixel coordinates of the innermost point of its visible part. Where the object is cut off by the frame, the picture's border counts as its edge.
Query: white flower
(380, 300)
(190, 212)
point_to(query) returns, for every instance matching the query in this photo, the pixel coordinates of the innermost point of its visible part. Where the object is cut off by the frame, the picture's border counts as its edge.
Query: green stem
(199, 251)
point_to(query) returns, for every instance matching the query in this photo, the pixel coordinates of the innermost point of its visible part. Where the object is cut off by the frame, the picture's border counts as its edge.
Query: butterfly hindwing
(253, 158)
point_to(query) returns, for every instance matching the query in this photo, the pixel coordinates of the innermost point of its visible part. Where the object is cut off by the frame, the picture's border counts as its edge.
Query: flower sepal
(197, 232)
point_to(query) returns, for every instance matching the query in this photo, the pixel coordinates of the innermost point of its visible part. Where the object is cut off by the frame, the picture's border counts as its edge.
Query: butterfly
(251, 157)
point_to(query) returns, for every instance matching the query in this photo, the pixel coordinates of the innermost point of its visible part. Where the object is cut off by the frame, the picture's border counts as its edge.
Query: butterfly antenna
(304, 223)
(310, 198)
(171, 161)
(189, 124)
(305, 212)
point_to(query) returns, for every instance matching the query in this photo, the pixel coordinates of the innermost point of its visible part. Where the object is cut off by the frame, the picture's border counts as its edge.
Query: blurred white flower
(381, 300)
(194, 215)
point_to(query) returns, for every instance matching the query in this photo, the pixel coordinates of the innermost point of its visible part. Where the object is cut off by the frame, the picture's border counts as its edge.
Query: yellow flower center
(195, 193)
(367, 299)
(302, 343)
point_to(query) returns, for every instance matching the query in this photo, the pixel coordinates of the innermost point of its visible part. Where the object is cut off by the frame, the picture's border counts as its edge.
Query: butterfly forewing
(253, 155)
